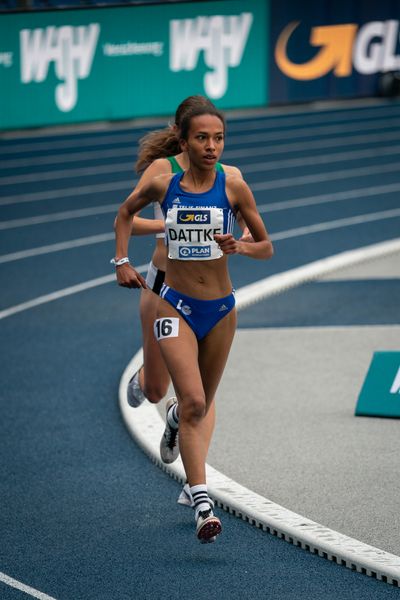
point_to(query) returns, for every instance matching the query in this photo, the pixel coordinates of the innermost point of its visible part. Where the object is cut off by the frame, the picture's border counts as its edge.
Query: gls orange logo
(370, 49)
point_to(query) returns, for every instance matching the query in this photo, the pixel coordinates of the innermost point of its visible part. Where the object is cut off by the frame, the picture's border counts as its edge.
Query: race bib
(166, 327)
(191, 232)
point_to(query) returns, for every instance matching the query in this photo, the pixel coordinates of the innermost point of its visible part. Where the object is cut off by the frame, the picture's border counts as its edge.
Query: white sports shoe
(186, 499)
(169, 445)
(134, 392)
(208, 526)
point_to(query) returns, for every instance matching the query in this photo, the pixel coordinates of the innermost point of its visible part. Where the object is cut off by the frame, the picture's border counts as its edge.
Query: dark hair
(191, 103)
(197, 112)
(165, 142)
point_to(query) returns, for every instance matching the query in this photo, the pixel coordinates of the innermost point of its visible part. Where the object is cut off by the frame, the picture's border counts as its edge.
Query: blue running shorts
(201, 315)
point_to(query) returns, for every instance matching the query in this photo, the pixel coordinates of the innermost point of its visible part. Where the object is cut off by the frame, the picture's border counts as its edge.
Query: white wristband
(121, 261)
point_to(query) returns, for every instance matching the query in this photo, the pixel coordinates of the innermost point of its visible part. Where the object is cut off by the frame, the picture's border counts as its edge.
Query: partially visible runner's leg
(134, 391)
(196, 369)
(169, 445)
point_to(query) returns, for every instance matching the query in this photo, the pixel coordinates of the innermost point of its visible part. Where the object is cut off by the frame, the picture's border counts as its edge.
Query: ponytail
(157, 144)
(165, 142)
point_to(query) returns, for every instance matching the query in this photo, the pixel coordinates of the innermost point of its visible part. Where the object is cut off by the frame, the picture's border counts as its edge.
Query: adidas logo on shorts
(223, 307)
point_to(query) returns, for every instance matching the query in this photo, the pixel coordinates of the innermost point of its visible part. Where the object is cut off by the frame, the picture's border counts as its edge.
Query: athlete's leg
(212, 361)
(181, 357)
(153, 378)
(196, 376)
(208, 424)
(213, 354)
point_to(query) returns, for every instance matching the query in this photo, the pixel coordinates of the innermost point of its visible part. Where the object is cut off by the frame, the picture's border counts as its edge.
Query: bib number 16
(166, 327)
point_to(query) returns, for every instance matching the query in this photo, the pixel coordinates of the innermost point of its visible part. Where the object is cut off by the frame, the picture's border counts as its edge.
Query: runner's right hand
(128, 277)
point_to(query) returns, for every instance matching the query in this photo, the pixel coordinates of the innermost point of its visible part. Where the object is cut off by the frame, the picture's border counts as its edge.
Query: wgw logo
(70, 48)
(223, 40)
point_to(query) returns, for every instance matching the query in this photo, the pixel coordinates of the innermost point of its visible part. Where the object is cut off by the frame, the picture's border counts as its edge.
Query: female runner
(160, 153)
(196, 317)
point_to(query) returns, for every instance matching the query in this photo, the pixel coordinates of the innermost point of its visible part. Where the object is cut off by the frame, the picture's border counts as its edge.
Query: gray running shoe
(134, 391)
(208, 526)
(169, 446)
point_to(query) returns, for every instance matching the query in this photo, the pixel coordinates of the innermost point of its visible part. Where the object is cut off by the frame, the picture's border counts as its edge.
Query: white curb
(146, 426)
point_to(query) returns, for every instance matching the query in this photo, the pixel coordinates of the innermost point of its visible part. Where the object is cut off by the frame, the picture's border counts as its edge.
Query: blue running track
(84, 514)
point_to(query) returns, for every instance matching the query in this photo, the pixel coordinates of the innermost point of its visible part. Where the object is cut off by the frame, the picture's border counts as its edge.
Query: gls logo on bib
(223, 40)
(193, 216)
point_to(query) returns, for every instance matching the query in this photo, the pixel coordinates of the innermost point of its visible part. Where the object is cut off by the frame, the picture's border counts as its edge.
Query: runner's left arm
(243, 200)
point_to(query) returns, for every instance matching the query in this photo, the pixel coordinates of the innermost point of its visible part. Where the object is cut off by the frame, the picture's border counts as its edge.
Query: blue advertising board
(331, 49)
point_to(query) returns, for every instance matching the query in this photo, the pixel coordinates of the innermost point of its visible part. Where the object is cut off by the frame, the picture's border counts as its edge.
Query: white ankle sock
(200, 497)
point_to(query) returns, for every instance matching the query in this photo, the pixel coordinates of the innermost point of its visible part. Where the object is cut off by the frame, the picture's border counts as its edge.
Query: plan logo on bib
(222, 39)
(194, 252)
(71, 49)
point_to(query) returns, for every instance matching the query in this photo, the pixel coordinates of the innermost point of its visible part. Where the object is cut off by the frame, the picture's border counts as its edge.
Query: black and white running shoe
(208, 526)
(169, 445)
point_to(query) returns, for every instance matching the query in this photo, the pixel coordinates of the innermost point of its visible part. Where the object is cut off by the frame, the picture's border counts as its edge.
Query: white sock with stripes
(200, 498)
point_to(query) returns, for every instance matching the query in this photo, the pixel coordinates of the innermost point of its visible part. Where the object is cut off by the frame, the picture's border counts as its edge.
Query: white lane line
(321, 159)
(128, 137)
(49, 249)
(288, 182)
(263, 150)
(88, 190)
(127, 167)
(70, 192)
(310, 118)
(275, 284)
(67, 173)
(60, 216)
(355, 194)
(359, 193)
(24, 588)
(279, 235)
(133, 135)
(146, 427)
(336, 224)
(313, 132)
(307, 132)
(353, 105)
(272, 165)
(266, 122)
(68, 157)
(130, 133)
(69, 291)
(333, 142)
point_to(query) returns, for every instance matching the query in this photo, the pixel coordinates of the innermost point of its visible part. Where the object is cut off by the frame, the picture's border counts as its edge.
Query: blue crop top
(192, 220)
